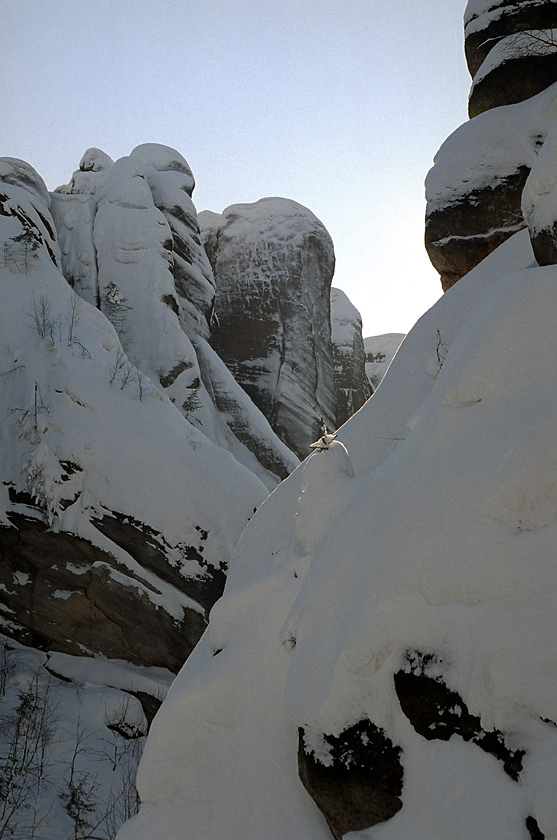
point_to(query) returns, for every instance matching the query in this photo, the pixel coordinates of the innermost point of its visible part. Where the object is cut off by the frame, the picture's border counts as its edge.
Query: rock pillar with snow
(273, 262)
(351, 383)
(474, 189)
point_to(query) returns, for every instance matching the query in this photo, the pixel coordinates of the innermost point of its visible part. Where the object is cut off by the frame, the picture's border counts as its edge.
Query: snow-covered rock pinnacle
(273, 262)
(131, 246)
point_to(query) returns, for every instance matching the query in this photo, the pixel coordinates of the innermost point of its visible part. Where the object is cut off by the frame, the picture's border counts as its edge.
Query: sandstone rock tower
(474, 189)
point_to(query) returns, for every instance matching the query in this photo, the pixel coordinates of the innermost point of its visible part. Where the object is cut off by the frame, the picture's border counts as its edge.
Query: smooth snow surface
(431, 529)
(380, 351)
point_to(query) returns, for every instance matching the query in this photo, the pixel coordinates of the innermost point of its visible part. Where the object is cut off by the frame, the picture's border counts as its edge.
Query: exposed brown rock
(513, 81)
(462, 233)
(484, 31)
(59, 592)
(361, 783)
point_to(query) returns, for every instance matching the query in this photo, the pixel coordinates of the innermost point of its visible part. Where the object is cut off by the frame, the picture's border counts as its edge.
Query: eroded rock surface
(117, 516)
(273, 262)
(131, 246)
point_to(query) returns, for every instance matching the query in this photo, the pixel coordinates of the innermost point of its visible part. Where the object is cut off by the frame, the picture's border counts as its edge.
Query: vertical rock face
(351, 383)
(474, 189)
(131, 246)
(273, 262)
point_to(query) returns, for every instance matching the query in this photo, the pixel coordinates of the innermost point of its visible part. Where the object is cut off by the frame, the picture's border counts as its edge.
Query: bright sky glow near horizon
(337, 104)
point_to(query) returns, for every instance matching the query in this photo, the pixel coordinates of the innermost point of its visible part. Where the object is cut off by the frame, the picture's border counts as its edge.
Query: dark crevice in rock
(149, 704)
(437, 713)
(361, 783)
(534, 829)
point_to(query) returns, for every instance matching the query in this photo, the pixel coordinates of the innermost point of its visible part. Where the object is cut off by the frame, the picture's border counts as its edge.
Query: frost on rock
(131, 246)
(273, 263)
(97, 498)
(414, 599)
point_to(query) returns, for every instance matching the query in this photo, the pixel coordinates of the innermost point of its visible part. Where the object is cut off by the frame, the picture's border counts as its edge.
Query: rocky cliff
(474, 189)
(130, 462)
(273, 262)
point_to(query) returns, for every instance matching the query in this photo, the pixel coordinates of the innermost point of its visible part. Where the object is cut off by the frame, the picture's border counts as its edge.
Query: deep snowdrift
(427, 536)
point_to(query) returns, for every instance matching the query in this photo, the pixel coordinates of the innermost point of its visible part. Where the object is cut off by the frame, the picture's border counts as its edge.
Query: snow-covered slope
(397, 589)
(379, 353)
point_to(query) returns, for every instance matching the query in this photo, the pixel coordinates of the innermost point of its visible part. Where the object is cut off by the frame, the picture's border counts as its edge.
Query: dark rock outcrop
(357, 782)
(273, 262)
(437, 713)
(59, 592)
(486, 25)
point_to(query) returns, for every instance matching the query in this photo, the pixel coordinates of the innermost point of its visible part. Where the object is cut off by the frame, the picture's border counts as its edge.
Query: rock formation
(351, 383)
(107, 545)
(474, 189)
(511, 51)
(273, 262)
(130, 245)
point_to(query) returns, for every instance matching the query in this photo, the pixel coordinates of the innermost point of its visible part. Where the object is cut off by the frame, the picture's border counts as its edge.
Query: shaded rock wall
(273, 262)
(352, 386)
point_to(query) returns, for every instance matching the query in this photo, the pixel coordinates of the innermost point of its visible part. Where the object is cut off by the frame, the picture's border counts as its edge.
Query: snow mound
(430, 561)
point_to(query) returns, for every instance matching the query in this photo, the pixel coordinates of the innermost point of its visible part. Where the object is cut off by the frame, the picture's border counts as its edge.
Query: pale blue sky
(338, 104)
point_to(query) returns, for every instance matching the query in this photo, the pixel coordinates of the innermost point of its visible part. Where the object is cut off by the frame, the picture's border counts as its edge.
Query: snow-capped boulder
(402, 614)
(379, 353)
(131, 246)
(273, 262)
(539, 202)
(351, 383)
(474, 189)
(118, 517)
